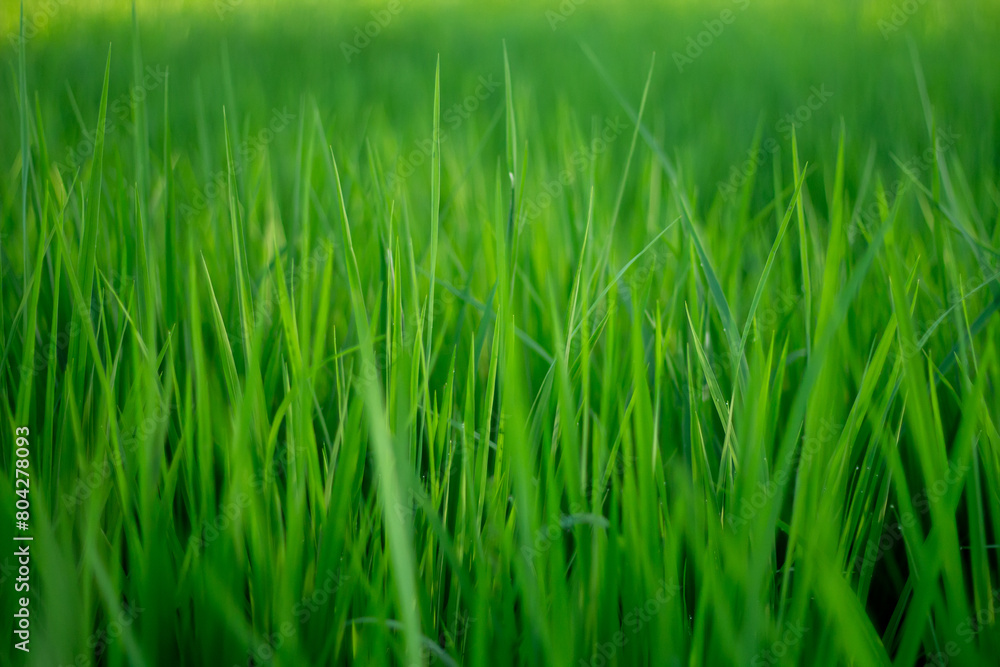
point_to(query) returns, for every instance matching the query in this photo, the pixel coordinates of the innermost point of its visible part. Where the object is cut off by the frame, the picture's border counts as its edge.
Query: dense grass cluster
(503, 345)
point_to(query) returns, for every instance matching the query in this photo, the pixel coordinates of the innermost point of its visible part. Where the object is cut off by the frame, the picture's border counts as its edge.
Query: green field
(438, 333)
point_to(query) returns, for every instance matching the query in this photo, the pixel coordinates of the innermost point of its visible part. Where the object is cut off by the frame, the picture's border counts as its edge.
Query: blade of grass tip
(169, 234)
(31, 324)
(512, 238)
(596, 303)
(229, 99)
(505, 278)
(25, 152)
(484, 324)
(401, 555)
(718, 296)
(713, 384)
(89, 339)
(147, 301)
(513, 433)
(758, 293)
(94, 200)
(5, 359)
(854, 631)
(939, 169)
(918, 73)
(227, 360)
(110, 598)
(92, 224)
(429, 423)
(975, 504)
(835, 247)
(939, 557)
(800, 178)
(428, 643)
(613, 282)
(50, 383)
(243, 295)
(487, 420)
(861, 194)
(575, 295)
(814, 365)
(140, 137)
(582, 415)
(803, 249)
(435, 212)
(628, 163)
(977, 326)
(304, 167)
(931, 458)
(484, 142)
(511, 235)
(511, 125)
(747, 190)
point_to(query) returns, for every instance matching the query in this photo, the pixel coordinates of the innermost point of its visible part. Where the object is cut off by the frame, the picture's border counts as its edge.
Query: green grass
(498, 344)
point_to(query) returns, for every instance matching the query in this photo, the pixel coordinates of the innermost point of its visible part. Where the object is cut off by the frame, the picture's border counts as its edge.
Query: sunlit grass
(372, 362)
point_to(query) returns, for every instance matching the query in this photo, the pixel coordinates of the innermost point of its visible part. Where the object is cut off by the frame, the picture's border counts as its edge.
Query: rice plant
(417, 333)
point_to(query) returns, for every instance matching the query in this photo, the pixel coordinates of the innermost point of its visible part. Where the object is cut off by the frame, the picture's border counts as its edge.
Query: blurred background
(724, 70)
(732, 79)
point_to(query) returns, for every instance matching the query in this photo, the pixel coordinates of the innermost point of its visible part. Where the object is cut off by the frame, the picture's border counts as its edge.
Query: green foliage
(492, 339)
